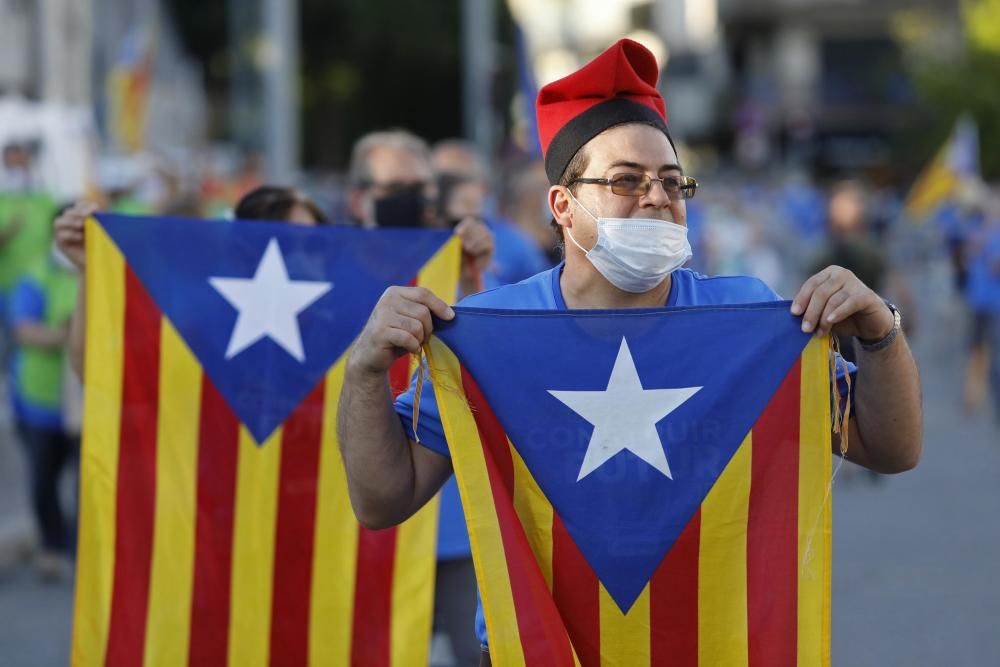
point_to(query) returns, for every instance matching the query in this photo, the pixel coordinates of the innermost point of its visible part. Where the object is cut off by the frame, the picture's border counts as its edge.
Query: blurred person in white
(465, 192)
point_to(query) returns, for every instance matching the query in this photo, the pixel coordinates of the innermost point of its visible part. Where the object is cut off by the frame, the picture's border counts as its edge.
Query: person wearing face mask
(391, 184)
(618, 194)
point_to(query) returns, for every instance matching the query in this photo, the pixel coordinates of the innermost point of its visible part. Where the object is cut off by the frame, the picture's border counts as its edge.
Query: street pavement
(916, 557)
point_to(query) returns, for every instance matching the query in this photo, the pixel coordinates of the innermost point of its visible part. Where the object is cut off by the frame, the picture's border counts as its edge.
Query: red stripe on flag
(218, 452)
(673, 601)
(136, 501)
(772, 529)
(544, 638)
(577, 595)
(399, 375)
(294, 534)
(370, 640)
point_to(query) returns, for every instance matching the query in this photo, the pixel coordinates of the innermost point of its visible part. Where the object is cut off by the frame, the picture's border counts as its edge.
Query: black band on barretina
(591, 123)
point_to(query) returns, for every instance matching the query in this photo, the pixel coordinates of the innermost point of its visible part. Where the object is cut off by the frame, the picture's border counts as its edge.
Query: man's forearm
(376, 451)
(37, 334)
(889, 419)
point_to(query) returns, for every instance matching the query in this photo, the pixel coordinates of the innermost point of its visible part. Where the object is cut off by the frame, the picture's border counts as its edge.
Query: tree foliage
(960, 79)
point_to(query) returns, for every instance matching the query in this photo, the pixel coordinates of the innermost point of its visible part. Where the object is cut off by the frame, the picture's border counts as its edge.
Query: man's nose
(657, 196)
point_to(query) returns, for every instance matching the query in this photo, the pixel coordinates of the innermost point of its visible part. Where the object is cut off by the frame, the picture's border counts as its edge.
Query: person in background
(275, 202)
(982, 291)
(41, 304)
(392, 184)
(525, 185)
(850, 245)
(464, 193)
(964, 228)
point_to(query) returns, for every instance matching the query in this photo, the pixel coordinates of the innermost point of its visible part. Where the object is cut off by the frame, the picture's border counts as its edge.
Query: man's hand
(400, 323)
(69, 232)
(836, 300)
(477, 242)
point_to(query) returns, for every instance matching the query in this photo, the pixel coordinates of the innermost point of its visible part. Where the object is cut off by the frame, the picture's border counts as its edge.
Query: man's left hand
(477, 241)
(836, 300)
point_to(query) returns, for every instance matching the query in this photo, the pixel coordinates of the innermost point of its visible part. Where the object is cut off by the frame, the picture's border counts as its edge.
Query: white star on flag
(624, 416)
(269, 304)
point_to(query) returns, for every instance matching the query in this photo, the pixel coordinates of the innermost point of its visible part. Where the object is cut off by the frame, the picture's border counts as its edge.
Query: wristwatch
(884, 342)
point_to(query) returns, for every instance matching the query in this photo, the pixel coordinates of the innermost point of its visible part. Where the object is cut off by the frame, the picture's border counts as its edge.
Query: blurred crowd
(778, 227)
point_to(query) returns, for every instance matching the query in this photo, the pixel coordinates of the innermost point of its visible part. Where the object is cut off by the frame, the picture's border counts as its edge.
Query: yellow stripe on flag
(99, 455)
(535, 513)
(172, 572)
(474, 487)
(722, 566)
(335, 553)
(413, 587)
(257, 478)
(934, 185)
(624, 637)
(814, 517)
(440, 273)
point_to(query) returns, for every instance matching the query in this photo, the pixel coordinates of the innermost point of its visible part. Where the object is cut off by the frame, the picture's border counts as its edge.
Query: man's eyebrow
(639, 167)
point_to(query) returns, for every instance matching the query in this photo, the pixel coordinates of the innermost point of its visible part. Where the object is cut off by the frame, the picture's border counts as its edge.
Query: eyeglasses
(638, 185)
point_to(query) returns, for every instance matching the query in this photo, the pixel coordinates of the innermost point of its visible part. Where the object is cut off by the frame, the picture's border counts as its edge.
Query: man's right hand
(69, 231)
(400, 323)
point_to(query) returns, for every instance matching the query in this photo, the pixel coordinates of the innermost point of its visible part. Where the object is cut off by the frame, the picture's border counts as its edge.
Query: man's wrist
(876, 344)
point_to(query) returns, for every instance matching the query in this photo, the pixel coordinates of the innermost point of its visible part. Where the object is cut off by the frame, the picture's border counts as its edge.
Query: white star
(269, 304)
(625, 416)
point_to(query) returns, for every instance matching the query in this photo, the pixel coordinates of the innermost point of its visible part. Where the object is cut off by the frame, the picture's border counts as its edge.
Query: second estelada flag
(215, 523)
(643, 488)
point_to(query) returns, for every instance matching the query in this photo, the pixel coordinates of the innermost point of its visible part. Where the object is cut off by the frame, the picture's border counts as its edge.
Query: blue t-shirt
(542, 292)
(983, 287)
(29, 304)
(453, 536)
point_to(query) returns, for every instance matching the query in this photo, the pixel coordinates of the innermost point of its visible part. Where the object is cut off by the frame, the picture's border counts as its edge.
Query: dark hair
(275, 202)
(575, 169)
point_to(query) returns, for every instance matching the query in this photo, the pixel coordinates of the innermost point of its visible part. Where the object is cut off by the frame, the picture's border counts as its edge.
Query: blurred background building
(828, 85)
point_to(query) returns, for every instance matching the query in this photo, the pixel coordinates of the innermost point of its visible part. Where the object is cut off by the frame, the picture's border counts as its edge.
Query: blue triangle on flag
(177, 259)
(625, 514)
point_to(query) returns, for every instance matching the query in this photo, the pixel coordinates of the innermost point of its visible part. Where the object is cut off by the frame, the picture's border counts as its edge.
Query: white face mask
(636, 254)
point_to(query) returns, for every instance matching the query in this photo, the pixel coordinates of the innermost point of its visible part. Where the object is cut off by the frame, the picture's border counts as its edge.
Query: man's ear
(559, 206)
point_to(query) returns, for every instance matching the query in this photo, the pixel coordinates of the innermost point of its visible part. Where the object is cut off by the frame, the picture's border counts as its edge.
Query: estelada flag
(955, 164)
(643, 487)
(215, 523)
